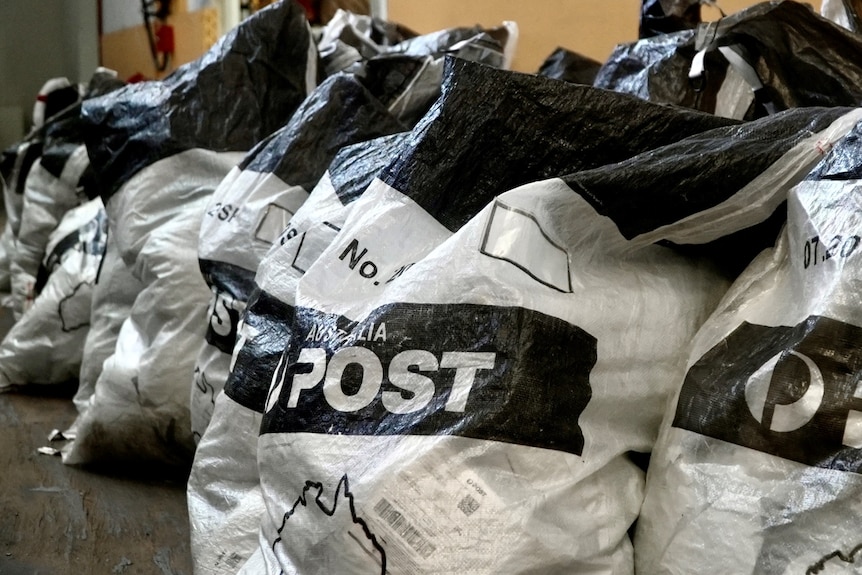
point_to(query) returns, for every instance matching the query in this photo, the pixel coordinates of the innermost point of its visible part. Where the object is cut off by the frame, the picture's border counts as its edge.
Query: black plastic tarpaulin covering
(340, 112)
(563, 64)
(493, 130)
(240, 91)
(781, 54)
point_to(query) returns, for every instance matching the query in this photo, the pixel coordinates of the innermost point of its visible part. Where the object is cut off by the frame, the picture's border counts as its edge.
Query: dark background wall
(42, 39)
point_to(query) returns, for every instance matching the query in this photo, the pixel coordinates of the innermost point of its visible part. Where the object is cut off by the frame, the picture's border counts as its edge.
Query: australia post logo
(793, 392)
(498, 373)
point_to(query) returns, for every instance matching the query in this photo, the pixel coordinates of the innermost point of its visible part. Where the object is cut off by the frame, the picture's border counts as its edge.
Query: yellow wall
(591, 27)
(128, 51)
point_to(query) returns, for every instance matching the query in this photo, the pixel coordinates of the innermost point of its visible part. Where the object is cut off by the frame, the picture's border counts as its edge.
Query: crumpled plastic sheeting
(563, 64)
(251, 207)
(404, 72)
(240, 91)
(406, 85)
(493, 130)
(45, 346)
(763, 443)
(465, 462)
(662, 16)
(791, 57)
(349, 40)
(225, 502)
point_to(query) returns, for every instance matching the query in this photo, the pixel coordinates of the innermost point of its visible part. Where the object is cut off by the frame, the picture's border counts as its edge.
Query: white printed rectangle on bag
(242, 220)
(534, 252)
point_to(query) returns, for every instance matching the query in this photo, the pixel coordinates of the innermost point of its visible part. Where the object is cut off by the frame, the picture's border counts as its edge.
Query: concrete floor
(56, 519)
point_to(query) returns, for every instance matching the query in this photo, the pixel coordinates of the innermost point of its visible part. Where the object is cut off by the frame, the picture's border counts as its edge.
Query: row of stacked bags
(399, 309)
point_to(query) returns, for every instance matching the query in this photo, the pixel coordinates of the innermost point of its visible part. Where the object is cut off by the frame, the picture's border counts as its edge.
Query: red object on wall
(165, 39)
(312, 10)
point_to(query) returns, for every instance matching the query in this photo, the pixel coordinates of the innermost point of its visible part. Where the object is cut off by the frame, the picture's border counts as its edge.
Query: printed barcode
(404, 529)
(468, 505)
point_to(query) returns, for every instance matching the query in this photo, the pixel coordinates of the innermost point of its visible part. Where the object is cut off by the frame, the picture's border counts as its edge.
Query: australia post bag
(224, 499)
(50, 191)
(462, 411)
(159, 150)
(758, 468)
(411, 381)
(45, 346)
(251, 207)
(15, 164)
(445, 156)
(384, 237)
(472, 145)
(59, 180)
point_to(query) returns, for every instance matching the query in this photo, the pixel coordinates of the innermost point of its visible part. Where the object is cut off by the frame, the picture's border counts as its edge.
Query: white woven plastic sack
(251, 207)
(465, 151)
(47, 197)
(17, 161)
(468, 417)
(159, 150)
(139, 409)
(113, 294)
(46, 345)
(224, 497)
(408, 320)
(758, 468)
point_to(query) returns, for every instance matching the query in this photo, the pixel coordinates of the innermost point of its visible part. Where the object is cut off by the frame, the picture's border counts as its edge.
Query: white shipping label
(428, 506)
